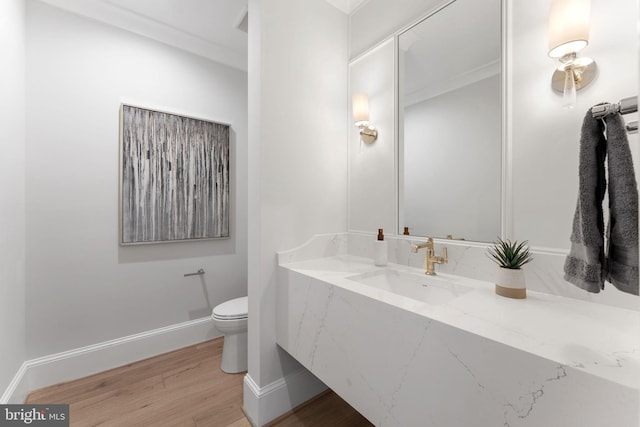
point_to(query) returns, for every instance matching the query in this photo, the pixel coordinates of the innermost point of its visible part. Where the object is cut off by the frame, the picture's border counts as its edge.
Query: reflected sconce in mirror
(368, 133)
(568, 35)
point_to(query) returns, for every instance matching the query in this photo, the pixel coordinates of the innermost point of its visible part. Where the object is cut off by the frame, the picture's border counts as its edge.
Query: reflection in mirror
(450, 123)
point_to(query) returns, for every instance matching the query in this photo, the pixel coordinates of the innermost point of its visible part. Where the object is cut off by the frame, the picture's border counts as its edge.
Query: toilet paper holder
(200, 272)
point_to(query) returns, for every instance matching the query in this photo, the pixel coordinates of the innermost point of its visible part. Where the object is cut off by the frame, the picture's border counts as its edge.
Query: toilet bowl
(230, 318)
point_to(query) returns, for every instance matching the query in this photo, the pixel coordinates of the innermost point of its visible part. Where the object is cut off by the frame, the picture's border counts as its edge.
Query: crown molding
(136, 23)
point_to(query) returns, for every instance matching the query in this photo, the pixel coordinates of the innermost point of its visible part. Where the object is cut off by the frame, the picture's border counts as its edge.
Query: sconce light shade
(568, 27)
(568, 35)
(368, 133)
(360, 109)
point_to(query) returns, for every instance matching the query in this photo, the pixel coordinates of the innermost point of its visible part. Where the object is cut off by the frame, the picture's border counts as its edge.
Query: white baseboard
(80, 362)
(16, 387)
(264, 404)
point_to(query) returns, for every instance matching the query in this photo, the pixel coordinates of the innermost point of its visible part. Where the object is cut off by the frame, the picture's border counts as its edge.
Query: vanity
(474, 145)
(406, 349)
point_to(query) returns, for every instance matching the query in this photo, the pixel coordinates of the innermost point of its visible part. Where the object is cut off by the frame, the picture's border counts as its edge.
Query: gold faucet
(431, 258)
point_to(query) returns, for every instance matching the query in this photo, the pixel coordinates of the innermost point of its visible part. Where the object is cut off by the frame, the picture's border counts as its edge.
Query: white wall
(372, 181)
(82, 288)
(12, 189)
(544, 137)
(297, 153)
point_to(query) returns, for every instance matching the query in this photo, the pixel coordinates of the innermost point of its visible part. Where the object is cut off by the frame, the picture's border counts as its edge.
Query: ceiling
(204, 27)
(209, 28)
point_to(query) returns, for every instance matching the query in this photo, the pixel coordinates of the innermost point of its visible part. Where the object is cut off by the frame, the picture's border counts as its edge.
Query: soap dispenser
(380, 250)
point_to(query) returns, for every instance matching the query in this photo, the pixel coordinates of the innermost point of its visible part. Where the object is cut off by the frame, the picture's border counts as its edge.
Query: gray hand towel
(585, 265)
(622, 251)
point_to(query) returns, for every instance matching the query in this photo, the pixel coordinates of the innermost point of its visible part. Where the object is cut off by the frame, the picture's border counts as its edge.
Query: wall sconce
(568, 35)
(368, 133)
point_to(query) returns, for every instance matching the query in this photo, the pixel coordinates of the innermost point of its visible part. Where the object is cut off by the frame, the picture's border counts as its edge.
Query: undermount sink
(434, 290)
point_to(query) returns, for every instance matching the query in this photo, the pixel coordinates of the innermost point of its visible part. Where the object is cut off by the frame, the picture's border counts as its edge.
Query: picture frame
(174, 177)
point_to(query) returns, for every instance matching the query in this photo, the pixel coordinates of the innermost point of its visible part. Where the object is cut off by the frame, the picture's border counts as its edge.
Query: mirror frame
(506, 208)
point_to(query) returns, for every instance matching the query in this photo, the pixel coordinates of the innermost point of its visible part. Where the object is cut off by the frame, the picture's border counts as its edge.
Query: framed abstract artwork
(174, 177)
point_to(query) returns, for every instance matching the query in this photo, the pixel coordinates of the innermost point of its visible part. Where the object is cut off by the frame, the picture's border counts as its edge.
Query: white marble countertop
(595, 338)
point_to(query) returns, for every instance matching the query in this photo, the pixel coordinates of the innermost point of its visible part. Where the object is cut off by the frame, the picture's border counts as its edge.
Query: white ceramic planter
(510, 283)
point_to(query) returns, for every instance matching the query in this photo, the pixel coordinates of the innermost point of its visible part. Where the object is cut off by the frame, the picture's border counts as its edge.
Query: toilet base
(234, 353)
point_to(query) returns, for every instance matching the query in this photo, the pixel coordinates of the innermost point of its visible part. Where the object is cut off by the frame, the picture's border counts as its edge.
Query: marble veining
(466, 368)
(476, 360)
(406, 370)
(321, 326)
(529, 400)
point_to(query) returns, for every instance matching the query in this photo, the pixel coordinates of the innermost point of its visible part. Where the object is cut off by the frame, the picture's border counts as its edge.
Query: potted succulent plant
(510, 257)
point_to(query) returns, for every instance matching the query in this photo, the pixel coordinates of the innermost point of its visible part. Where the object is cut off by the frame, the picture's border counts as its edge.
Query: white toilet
(230, 318)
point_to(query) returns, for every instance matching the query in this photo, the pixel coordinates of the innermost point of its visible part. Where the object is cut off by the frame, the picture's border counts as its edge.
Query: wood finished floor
(182, 388)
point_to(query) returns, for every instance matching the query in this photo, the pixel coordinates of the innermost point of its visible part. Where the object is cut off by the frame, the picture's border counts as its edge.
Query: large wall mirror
(450, 123)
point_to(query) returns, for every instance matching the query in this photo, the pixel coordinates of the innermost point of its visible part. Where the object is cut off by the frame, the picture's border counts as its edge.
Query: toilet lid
(232, 309)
